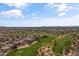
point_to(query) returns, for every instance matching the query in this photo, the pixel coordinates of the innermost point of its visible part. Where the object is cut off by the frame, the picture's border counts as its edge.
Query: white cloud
(50, 5)
(15, 12)
(62, 14)
(18, 5)
(62, 8)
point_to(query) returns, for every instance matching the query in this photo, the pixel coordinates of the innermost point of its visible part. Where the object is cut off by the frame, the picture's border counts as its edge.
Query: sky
(39, 14)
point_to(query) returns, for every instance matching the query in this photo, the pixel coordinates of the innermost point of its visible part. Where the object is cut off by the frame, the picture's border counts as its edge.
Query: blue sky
(39, 14)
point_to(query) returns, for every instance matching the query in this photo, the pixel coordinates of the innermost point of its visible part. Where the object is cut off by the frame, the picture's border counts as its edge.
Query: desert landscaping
(43, 42)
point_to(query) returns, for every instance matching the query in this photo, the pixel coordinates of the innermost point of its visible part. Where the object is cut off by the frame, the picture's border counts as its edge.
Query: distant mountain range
(39, 28)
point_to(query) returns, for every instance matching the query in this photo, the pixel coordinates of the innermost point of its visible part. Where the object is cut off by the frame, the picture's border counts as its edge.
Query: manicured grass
(59, 45)
(32, 50)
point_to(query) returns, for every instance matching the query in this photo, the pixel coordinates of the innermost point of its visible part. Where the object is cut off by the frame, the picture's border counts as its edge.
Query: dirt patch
(26, 45)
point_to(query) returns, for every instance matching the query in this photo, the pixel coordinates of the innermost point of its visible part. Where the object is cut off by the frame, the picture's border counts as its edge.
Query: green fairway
(32, 50)
(58, 47)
